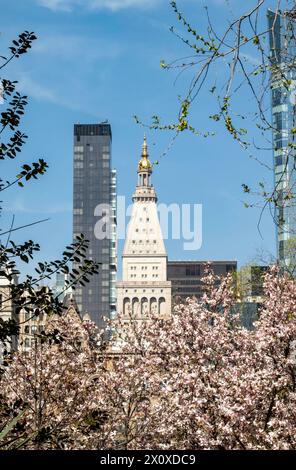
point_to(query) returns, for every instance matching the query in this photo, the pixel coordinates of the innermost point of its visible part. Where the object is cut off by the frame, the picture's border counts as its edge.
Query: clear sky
(100, 59)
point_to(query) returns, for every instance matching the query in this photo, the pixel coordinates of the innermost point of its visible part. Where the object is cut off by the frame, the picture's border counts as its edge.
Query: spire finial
(144, 163)
(144, 148)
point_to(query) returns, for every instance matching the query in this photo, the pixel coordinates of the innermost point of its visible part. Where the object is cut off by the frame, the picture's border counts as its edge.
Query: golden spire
(144, 163)
(145, 148)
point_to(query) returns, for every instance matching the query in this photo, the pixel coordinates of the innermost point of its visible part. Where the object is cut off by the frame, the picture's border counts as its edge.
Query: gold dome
(144, 163)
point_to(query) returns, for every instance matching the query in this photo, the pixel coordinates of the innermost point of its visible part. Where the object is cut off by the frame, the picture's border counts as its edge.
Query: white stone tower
(144, 286)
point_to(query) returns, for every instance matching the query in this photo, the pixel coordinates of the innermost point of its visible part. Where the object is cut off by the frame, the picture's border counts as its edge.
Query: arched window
(135, 304)
(144, 306)
(126, 306)
(153, 306)
(162, 306)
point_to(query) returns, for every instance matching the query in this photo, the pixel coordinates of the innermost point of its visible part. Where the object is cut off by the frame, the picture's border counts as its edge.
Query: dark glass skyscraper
(282, 41)
(94, 196)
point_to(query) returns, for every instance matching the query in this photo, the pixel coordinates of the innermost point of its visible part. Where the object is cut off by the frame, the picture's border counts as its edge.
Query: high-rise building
(94, 200)
(282, 41)
(144, 287)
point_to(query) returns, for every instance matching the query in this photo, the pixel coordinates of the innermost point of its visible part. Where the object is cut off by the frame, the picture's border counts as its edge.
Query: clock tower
(144, 287)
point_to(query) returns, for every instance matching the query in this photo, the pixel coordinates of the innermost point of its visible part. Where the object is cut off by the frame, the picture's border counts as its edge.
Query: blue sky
(100, 59)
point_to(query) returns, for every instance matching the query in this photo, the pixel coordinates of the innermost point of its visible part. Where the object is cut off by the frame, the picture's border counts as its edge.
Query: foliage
(55, 383)
(227, 61)
(195, 380)
(25, 295)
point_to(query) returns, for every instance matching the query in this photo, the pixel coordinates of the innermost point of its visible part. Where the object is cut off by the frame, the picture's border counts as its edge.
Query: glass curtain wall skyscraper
(94, 196)
(283, 93)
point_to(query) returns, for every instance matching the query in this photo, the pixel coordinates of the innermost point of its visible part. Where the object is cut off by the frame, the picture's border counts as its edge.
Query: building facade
(94, 198)
(283, 74)
(186, 276)
(7, 312)
(30, 328)
(251, 281)
(144, 287)
(60, 287)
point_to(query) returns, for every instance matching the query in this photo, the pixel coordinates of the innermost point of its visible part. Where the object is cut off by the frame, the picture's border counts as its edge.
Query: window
(78, 211)
(193, 270)
(78, 148)
(276, 97)
(279, 160)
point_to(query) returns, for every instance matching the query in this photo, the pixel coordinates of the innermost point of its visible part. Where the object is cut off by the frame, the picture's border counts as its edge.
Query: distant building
(144, 287)
(248, 312)
(251, 280)
(7, 312)
(60, 287)
(282, 41)
(185, 276)
(250, 293)
(30, 329)
(31, 326)
(94, 196)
